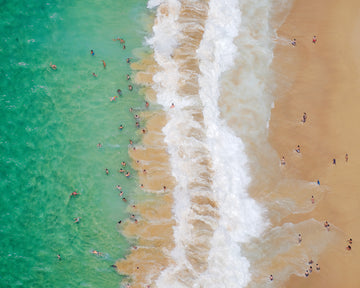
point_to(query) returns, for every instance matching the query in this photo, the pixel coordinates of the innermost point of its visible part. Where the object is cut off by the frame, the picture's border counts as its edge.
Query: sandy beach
(321, 79)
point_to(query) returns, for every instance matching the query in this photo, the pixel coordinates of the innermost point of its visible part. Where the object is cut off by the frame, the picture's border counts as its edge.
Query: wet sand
(150, 229)
(322, 80)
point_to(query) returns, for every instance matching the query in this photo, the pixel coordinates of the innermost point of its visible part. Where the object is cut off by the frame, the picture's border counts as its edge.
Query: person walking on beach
(346, 157)
(312, 199)
(304, 117)
(334, 161)
(314, 39)
(327, 225)
(293, 42)
(297, 149)
(299, 238)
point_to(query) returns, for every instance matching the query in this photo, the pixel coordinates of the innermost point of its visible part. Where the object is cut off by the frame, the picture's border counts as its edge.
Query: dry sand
(321, 80)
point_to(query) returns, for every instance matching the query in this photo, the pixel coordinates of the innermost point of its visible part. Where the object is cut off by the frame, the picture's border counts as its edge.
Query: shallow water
(51, 122)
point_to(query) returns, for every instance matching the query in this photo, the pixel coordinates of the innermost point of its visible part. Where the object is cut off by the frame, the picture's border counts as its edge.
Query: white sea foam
(239, 217)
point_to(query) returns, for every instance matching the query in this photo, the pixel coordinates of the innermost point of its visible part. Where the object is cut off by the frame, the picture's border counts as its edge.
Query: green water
(51, 122)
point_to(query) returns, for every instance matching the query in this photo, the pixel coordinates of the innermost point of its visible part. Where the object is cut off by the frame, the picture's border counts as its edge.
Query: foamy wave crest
(193, 45)
(240, 216)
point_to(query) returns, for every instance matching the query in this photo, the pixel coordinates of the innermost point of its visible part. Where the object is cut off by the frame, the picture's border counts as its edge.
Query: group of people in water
(76, 194)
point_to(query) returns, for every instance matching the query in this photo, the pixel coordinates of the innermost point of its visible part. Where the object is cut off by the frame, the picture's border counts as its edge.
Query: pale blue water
(50, 124)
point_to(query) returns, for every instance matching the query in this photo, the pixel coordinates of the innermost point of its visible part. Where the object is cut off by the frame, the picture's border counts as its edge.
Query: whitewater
(207, 159)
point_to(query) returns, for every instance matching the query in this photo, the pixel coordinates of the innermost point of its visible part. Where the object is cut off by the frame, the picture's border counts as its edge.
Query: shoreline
(153, 226)
(320, 79)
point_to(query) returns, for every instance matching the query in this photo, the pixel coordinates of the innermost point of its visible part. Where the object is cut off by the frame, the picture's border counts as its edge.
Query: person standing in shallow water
(283, 161)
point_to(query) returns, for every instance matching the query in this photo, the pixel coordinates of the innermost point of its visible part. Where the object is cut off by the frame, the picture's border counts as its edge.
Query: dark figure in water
(119, 92)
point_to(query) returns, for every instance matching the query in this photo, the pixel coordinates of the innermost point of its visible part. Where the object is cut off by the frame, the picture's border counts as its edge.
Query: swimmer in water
(121, 170)
(77, 220)
(119, 92)
(104, 63)
(118, 187)
(127, 174)
(123, 163)
(147, 104)
(53, 66)
(92, 52)
(74, 194)
(113, 98)
(128, 60)
(130, 87)
(121, 127)
(99, 145)
(107, 171)
(59, 257)
(172, 105)
(94, 74)
(96, 252)
(127, 76)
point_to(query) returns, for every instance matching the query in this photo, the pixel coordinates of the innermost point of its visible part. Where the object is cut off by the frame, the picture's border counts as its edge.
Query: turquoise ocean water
(51, 122)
